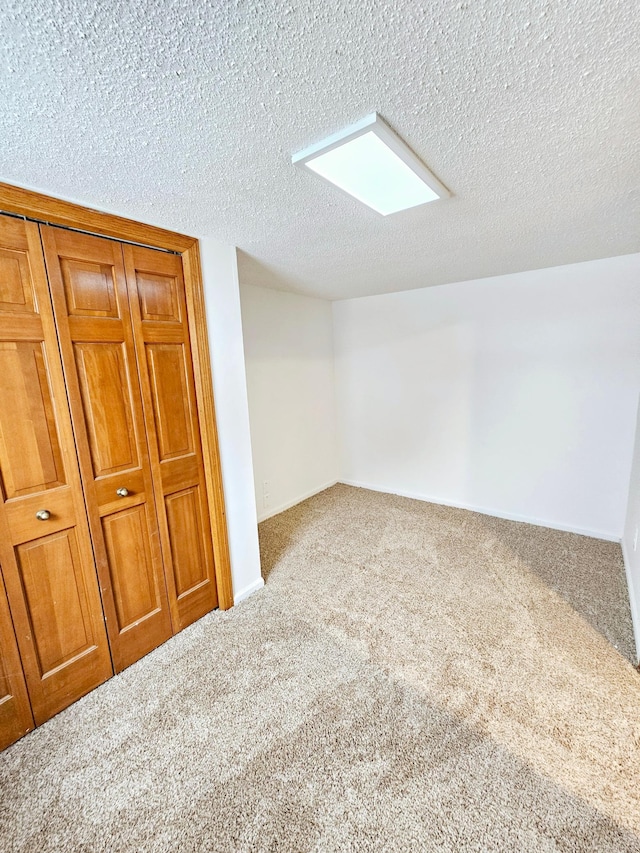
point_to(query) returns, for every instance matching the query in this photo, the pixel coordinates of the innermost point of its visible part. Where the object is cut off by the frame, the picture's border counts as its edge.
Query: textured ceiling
(185, 114)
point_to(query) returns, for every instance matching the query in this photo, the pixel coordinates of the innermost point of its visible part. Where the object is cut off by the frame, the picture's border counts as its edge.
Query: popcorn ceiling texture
(185, 114)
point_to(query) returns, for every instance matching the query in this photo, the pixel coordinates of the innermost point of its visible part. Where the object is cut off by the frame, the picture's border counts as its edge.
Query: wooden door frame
(43, 208)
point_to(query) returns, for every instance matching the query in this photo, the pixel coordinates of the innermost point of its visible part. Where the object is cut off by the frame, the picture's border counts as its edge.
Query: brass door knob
(43, 514)
(122, 493)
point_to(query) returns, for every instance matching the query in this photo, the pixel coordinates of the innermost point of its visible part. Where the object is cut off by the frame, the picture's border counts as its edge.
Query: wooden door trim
(197, 322)
(58, 212)
(55, 211)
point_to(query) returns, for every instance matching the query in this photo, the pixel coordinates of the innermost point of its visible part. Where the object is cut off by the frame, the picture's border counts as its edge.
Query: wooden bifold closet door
(121, 322)
(158, 308)
(91, 308)
(45, 548)
(106, 547)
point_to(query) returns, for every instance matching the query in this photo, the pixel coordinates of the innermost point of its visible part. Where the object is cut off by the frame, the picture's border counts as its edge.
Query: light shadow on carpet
(386, 691)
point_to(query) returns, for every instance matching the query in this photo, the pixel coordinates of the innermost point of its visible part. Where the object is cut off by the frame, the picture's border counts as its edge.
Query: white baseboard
(538, 522)
(271, 512)
(633, 601)
(248, 590)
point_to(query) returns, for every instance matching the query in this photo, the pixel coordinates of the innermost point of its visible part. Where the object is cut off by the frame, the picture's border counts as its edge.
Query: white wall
(513, 395)
(288, 342)
(631, 538)
(222, 298)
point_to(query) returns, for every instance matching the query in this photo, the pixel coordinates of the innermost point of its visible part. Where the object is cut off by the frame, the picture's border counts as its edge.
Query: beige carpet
(412, 678)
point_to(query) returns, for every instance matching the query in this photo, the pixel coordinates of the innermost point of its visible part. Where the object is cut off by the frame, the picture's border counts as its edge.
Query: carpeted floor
(412, 677)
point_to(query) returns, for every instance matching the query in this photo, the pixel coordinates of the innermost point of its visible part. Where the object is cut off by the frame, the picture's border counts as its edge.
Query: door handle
(43, 514)
(122, 492)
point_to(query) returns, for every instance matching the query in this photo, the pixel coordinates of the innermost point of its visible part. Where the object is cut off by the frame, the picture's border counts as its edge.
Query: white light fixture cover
(371, 163)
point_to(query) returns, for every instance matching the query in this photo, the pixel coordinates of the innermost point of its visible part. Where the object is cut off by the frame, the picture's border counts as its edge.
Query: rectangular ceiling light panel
(371, 163)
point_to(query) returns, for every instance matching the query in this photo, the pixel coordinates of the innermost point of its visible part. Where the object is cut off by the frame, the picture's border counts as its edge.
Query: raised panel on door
(127, 541)
(171, 404)
(184, 517)
(59, 612)
(45, 550)
(94, 326)
(15, 712)
(106, 398)
(32, 461)
(158, 308)
(16, 291)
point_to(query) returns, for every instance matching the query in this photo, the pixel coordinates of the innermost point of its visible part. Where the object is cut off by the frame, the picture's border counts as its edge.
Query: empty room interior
(319, 426)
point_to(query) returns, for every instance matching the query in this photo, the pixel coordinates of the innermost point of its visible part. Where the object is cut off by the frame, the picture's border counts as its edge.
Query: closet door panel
(171, 401)
(51, 574)
(159, 295)
(106, 398)
(15, 712)
(45, 550)
(94, 325)
(32, 461)
(16, 288)
(137, 595)
(187, 534)
(158, 307)
(89, 287)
